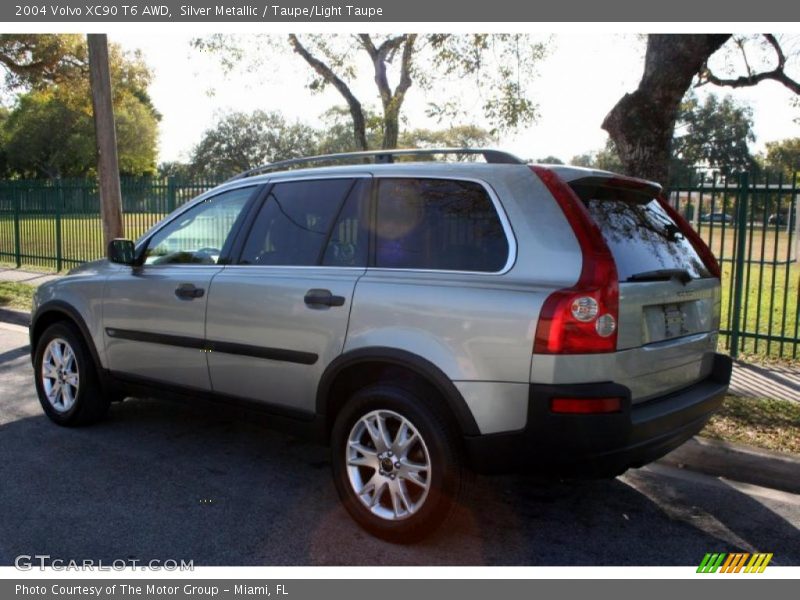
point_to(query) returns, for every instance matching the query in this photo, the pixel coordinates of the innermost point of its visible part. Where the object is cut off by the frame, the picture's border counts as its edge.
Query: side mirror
(122, 252)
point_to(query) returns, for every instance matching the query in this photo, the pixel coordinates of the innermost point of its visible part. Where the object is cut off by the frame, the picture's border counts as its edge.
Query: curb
(712, 457)
(738, 462)
(15, 317)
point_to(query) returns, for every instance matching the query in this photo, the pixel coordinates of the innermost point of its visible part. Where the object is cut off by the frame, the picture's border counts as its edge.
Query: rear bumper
(600, 445)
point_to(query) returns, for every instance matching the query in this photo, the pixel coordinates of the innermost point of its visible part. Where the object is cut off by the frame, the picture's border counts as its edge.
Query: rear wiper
(681, 275)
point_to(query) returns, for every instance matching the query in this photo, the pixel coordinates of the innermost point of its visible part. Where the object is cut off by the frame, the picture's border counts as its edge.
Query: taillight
(560, 331)
(585, 406)
(581, 319)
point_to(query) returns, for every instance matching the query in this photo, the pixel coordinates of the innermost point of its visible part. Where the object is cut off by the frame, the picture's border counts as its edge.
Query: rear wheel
(396, 463)
(66, 378)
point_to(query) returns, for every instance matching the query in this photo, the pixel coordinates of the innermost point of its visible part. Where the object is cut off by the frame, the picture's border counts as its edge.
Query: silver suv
(423, 318)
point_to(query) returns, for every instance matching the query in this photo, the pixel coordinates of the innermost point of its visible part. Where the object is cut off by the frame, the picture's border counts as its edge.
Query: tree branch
(324, 71)
(405, 68)
(740, 44)
(380, 56)
(777, 74)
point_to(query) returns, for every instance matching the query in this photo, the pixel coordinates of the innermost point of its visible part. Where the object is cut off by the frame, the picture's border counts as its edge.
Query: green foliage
(50, 130)
(241, 141)
(337, 133)
(33, 146)
(714, 133)
(35, 60)
(457, 136)
(606, 159)
(4, 169)
(783, 157)
(500, 68)
(587, 159)
(175, 169)
(549, 160)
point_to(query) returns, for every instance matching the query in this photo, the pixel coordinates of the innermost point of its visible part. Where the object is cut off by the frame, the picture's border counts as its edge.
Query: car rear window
(643, 238)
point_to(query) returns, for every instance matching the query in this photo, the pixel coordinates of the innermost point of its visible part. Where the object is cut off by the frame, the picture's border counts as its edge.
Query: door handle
(187, 291)
(317, 297)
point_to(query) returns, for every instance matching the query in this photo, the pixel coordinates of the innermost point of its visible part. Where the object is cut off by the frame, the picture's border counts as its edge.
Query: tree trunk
(642, 124)
(106, 138)
(391, 129)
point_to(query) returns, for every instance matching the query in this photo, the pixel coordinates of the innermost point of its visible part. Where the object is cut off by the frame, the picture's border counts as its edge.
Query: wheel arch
(54, 311)
(370, 361)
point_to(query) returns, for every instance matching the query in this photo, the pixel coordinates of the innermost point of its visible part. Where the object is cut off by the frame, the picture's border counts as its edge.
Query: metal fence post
(738, 270)
(59, 208)
(171, 194)
(794, 203)
(17, 238)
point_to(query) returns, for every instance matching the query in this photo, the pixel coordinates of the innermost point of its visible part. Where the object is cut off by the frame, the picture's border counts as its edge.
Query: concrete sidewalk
(773, 381)
(28, 277)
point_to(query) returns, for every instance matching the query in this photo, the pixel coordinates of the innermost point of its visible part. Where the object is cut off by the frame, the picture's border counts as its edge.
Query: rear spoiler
(618, 187)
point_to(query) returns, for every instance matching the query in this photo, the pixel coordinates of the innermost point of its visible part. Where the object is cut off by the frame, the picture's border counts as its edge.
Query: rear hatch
(669, 301)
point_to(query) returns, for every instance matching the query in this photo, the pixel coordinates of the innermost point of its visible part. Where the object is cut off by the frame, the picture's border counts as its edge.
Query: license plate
(674, 321)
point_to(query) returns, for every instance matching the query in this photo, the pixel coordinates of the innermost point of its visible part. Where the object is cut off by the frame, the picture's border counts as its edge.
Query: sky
(579, 81)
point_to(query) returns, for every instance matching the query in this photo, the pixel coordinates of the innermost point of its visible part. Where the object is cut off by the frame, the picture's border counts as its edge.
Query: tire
(391, 471)
(75, 394)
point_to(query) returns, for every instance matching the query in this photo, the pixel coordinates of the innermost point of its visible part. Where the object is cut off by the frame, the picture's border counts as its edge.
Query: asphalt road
(174, 481)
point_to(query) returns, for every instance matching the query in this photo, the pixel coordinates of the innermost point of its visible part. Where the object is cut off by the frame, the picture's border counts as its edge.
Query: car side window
(438, 224)
(348, 242)
(293, 225)
(197, 236)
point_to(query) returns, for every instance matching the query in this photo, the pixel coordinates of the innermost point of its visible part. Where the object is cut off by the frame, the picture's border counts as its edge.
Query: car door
(154, 315)
(279, 315)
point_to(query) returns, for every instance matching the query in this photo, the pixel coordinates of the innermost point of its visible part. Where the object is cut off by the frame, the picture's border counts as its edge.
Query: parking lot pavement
(175, 481)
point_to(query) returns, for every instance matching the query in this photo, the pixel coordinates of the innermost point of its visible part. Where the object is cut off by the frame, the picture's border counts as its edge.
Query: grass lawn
(16, 295)
(762, 422)
(771, 245)
(81, 238)
(770, 306)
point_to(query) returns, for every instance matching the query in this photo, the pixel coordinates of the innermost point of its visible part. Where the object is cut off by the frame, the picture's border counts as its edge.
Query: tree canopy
(49, 132)
(498, 67)
(606, 159)
(714, 133)
(783, 157)
(241, 141)
(34, 60)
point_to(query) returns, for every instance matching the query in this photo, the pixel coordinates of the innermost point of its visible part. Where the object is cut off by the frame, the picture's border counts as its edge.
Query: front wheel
(396, 463)
(66, 379)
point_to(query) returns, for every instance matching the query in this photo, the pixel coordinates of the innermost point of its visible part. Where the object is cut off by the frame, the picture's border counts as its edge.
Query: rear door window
(438, 224)
(643, 238)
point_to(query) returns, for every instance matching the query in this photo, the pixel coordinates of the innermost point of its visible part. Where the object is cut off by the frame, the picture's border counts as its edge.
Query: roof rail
(382, 156)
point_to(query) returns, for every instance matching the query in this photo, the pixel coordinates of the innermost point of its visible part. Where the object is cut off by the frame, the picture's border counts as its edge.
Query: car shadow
(166, 480)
